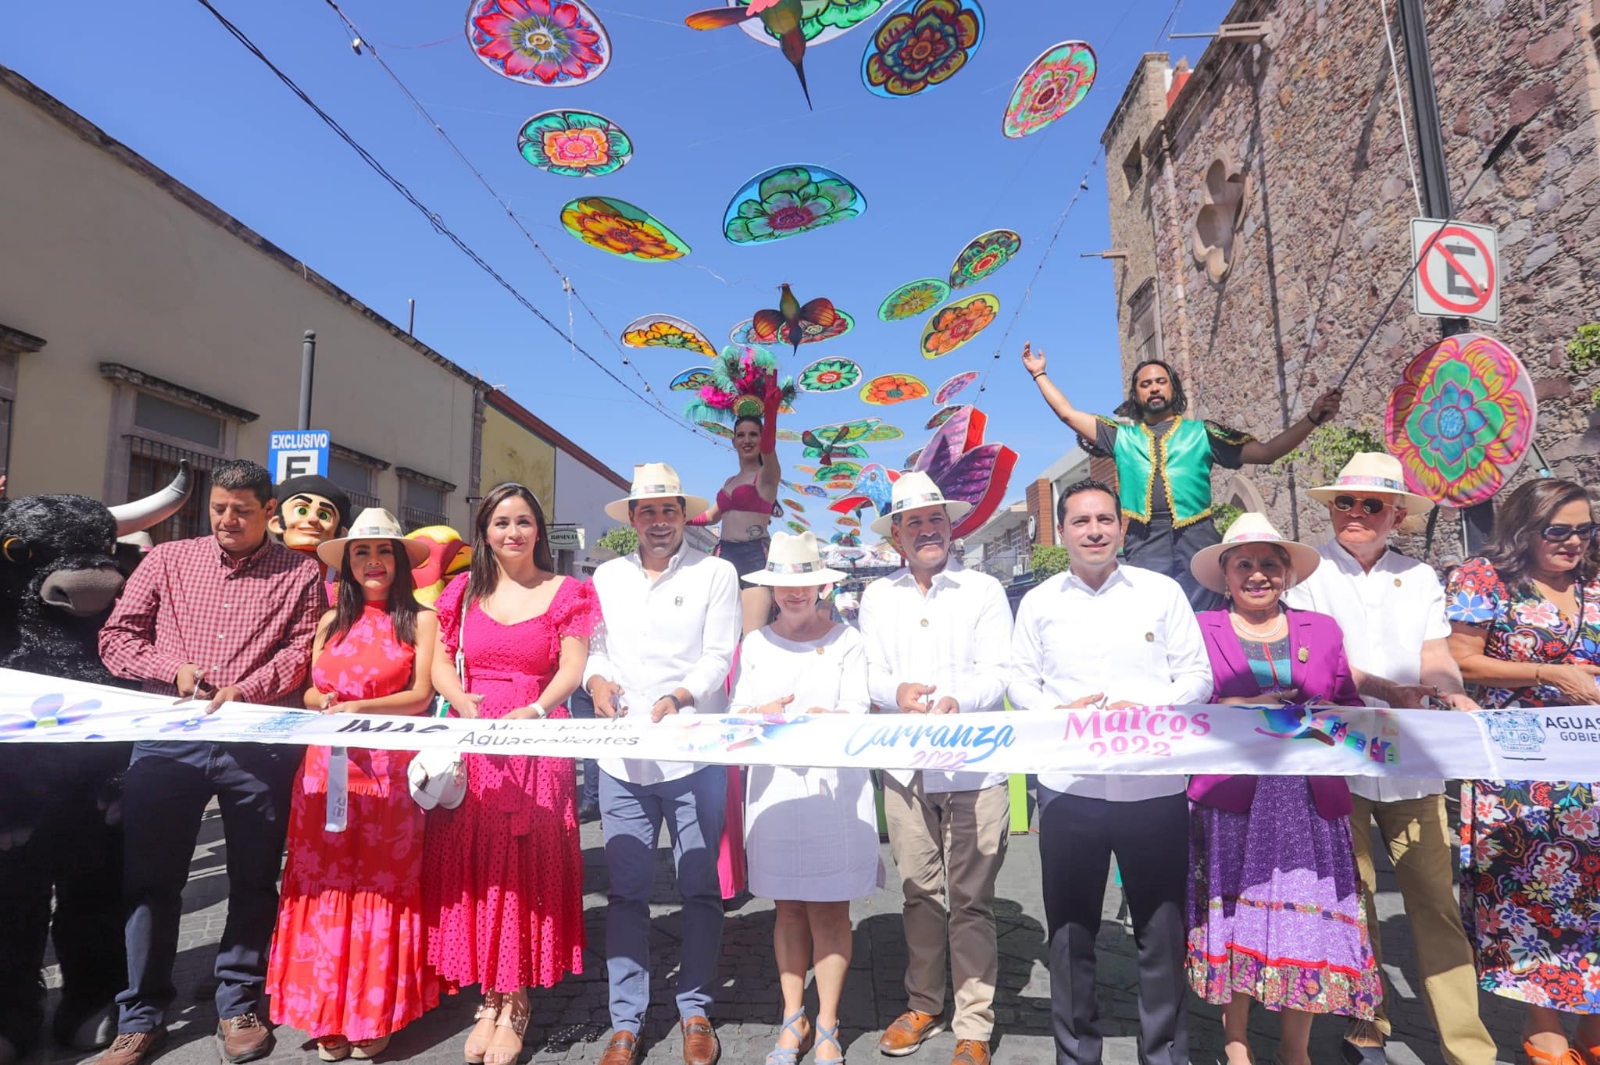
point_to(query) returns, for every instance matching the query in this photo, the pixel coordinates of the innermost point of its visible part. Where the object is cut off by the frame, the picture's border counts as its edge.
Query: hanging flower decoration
(691, 380)
(788, 436)
(815, 490)
(922, 43)
(1052, 85)
(621, 229)
(912, 299)
(828, 375)
(891, 388)
(716, 428)
(941, 416)
(665, 331)
(983, 255)
(788, 201)
(958, 323)
(795, 527)
(947, 391)
(574, 144)
(793, 505)
(844, 451)
(820, 21)
(1461, 420)
(882, 434)
(838, 471)
(539, 42)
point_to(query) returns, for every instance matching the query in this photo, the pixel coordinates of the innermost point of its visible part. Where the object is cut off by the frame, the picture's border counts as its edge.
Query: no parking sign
(1458, 270)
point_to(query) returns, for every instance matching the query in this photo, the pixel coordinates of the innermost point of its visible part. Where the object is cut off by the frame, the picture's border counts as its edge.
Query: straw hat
(1373, 473)
(795, 562)
(1251, 528)
(913, 491)
(374, 523)
(656, 480)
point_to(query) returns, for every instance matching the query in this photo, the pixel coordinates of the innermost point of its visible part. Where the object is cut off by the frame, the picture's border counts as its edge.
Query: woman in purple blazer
(1275, 909)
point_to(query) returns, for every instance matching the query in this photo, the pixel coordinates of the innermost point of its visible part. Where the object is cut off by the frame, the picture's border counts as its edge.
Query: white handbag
(437, 776)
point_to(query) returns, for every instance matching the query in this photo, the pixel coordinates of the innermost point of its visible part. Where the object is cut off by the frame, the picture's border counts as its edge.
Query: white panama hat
(656, 480)
(1251, 528)
(795, 562)
(1373, 473)
(914, 491)
(374, 523)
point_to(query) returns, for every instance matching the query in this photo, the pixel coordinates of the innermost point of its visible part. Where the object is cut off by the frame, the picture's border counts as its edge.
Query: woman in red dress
(503, 889)
(347, 960)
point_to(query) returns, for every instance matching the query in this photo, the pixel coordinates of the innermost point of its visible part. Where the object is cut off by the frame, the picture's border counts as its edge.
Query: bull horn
(154, 509)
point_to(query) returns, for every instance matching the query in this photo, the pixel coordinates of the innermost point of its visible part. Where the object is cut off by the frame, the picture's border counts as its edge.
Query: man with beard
(1164, 463)
(938, 642)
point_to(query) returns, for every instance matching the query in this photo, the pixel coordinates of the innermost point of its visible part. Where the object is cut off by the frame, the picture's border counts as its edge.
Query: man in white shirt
(1391, 609)
(1108, 636)
(938, 642)
(672, 621)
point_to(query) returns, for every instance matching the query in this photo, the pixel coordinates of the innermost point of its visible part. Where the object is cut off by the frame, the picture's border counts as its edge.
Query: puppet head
(311, 511)
(448, 555)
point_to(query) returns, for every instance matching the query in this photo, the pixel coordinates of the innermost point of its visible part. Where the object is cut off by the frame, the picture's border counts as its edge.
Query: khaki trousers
(948, 847)
(1416, 833)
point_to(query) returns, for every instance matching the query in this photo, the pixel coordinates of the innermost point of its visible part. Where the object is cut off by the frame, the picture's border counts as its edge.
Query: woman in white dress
(811, 834)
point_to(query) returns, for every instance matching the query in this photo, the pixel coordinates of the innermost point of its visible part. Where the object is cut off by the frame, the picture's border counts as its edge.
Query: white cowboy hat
(913, 491)
(795, 562)
(1373, 473)
(1251, 528)
(656, 480)
(374, 523)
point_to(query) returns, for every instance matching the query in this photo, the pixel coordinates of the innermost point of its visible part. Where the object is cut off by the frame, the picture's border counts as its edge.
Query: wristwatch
(677, 704)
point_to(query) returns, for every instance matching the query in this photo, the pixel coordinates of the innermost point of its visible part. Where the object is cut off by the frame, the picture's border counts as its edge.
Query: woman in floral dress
(503, 882)
(347, 957)
(1526, 629)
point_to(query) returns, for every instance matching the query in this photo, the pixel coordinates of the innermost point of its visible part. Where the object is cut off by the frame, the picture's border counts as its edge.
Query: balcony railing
(414, 518)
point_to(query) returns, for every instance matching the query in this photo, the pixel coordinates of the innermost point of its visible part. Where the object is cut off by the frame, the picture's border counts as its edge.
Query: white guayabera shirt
(678, 630)
(957, 638)
(1135, 640)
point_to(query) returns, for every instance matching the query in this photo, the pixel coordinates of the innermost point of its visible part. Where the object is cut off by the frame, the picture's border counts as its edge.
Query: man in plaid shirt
(226, 617)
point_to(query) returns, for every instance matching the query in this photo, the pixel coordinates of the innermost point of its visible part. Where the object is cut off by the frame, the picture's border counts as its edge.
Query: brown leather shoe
(971, 1052)
(132, 1048)
(244, 1038)
(700, 1046)
(622, 1049)
(908, 1032)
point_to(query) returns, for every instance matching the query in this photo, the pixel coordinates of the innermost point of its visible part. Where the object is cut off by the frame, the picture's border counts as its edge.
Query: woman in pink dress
(503, 882)
(347, 957)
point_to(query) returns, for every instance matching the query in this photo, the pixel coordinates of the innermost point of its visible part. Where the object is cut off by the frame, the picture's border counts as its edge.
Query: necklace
(1259, 634)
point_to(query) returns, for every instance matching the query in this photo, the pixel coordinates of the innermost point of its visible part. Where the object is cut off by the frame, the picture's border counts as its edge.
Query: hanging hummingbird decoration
(781, 19)
(792, 319)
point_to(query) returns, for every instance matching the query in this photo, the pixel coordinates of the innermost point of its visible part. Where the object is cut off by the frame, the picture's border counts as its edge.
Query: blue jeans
(167, 788)
(581, 706)
(632, 814)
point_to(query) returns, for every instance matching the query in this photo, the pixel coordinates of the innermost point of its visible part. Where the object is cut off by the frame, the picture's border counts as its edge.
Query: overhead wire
(435, 221)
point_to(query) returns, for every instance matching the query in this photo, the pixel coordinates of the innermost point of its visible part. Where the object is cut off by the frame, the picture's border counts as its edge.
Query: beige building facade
(140, 324)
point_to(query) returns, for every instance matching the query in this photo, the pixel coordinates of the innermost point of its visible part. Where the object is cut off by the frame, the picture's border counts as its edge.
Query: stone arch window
(1241, 492)
(1217, 223)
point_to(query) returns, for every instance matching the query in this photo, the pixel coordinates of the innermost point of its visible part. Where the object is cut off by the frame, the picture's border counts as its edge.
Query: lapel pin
(1304, 656)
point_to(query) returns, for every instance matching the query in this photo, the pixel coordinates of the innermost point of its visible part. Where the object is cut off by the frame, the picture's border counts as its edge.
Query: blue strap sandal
(829, 1035)
(791, 1055)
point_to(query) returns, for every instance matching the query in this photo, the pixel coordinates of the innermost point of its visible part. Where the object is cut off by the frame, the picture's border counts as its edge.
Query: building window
(1133, 167)
(13, 343)
(354, 472)
(1143, 323)
(172, 419)
(422, 499)
(152, 466)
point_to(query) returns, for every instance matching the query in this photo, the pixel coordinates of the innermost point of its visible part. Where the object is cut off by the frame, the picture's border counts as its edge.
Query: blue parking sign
(297, 452)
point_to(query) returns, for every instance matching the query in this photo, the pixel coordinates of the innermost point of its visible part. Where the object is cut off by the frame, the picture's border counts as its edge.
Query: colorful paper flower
(621, 229)
(828, 375)
(789, 201)
(922, 44)
(574, 144)
(542, 42)
(1461, 419)
(912, 299)
(882, 434)
(984, 255)
(889, 388)
(958, 323)
(1052, 85)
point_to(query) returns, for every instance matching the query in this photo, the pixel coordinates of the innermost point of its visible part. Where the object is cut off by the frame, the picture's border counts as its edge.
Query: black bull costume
(58, 839)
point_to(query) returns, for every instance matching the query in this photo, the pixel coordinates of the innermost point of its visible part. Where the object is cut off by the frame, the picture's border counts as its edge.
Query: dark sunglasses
(1556, 534)
(1344, 504)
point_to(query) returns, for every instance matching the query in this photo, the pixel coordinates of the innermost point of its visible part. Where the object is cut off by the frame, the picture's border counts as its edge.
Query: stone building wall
(1310, 119)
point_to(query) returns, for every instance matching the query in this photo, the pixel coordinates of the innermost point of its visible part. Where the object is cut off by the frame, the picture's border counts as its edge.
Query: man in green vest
(1164, 463)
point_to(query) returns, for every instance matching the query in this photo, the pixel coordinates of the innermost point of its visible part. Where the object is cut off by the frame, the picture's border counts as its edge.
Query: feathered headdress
(744, 380)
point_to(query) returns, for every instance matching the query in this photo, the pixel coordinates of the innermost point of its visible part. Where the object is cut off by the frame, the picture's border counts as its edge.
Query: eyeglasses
(1345, 504)
(1556, 534)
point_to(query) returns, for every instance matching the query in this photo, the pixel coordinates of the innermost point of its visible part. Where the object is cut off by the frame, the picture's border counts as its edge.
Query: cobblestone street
(570, 1020)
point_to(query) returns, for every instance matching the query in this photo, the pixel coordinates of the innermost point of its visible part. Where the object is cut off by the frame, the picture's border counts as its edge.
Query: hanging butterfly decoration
(743, 381)
(826, 438)
(966, 468)
(791, 319)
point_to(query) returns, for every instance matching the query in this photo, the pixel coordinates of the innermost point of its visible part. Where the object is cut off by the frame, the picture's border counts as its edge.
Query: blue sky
(706, 111)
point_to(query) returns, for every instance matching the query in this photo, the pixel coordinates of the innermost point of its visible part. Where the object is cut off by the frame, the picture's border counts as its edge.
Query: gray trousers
(692, 808)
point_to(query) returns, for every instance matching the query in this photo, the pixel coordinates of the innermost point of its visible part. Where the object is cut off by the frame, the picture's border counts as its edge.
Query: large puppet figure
(311, 511)
(58, 832)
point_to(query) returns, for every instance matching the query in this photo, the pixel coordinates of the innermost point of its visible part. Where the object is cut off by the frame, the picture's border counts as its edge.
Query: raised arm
(1080, 422)
(1259, 453)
